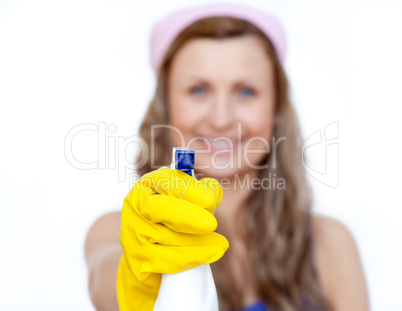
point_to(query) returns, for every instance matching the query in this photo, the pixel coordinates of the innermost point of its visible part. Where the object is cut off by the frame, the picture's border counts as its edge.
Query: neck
(235, 195)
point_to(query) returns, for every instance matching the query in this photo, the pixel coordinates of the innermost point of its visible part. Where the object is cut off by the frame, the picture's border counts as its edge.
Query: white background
(65, 63)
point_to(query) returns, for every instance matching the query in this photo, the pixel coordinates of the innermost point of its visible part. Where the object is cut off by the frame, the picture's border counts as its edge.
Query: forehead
(229, 57)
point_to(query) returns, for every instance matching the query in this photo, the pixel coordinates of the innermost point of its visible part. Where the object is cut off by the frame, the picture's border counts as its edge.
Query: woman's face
(221, 101)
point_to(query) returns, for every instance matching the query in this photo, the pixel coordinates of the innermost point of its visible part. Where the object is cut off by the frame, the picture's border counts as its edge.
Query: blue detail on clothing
(261, 306)
(258, 306)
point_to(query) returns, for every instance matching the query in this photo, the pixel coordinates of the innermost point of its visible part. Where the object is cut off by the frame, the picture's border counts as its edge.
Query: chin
(216, 166)
(220, 174)
(222, 171)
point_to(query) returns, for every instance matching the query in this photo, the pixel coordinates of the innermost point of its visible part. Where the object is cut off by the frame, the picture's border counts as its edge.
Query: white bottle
(193, 289)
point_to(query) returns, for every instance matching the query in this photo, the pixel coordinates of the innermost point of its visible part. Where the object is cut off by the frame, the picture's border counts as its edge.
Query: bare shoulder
(338, 265)
(103, 232)
(330, 228)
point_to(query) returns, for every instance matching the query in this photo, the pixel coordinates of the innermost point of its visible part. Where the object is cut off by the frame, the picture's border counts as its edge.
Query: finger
(170, 259)
(160, 234)
(215, 187)
(177, 214)
(178, 184)
(146, 255)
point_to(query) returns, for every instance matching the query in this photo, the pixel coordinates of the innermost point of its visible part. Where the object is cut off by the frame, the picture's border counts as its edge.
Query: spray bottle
(193, 289)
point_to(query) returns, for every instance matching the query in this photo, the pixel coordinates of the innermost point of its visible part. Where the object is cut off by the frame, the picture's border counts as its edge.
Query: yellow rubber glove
(167, 226)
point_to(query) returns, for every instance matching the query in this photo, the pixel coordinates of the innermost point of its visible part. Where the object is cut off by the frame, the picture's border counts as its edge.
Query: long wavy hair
(277, 223)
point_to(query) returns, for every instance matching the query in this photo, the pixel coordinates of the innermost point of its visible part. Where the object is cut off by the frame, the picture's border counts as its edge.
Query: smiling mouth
(220, 143)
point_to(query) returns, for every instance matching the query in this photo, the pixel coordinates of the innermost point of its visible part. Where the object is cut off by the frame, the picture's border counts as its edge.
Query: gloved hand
(167, 226)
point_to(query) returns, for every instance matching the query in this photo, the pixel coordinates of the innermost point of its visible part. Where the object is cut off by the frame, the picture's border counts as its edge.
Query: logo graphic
(328, 161)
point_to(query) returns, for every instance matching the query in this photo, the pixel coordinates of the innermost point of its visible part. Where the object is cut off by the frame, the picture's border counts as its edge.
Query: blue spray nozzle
(184, 160)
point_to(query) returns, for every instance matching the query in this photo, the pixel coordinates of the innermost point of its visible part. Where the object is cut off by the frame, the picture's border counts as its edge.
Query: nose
(222, 114)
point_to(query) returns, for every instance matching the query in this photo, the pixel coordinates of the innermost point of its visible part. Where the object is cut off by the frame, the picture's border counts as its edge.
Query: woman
(222, 91)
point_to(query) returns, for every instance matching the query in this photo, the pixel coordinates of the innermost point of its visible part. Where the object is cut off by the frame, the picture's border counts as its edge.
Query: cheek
(183, 118)
(185, 122)
(258, 122)
(257, 126)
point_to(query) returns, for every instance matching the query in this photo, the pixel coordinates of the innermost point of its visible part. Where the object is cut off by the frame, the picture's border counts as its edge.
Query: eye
(198, 90)
(246, 92)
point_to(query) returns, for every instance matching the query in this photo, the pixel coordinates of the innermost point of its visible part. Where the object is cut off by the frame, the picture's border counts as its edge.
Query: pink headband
(165, 31)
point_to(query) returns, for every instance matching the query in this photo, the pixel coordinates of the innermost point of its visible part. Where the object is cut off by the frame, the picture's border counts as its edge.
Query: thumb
(213, 186)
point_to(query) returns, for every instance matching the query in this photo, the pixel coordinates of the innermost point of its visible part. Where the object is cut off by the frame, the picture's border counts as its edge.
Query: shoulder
(104, 231)
(331, 230)
(334, 244)
(338, 264)
(107, 219)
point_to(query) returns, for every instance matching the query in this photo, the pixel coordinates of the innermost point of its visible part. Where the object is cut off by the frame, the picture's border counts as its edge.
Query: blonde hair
(277, 223)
